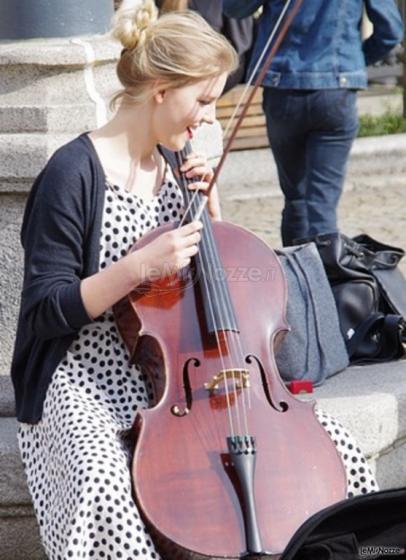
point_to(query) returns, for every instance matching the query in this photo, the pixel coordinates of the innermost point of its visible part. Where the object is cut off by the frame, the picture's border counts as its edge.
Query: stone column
(51, 90)
(26, 19)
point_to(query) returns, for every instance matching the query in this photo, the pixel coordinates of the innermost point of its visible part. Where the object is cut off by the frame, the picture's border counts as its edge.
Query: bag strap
(393, 287)
(386, 256)
(389, 333)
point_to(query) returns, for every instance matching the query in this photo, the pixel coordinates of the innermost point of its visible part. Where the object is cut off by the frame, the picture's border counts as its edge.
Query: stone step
(7, 405)
(377, 100)
(369, 400)
(374, 161)
(61, 118)
(19, 536)
(13, 486)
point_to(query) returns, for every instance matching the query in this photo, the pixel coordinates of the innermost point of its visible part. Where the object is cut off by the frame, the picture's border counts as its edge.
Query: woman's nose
(210, 114)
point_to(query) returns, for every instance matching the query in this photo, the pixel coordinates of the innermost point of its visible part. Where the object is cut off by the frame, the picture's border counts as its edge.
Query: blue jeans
(311, 133)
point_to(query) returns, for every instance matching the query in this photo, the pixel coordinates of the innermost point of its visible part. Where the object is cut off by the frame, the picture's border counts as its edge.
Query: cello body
(214, 386)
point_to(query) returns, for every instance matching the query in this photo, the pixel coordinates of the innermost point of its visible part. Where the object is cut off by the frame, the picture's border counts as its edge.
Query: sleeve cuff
(73, 308)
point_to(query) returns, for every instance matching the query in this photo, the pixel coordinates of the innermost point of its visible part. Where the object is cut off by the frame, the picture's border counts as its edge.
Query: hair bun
(131, 25)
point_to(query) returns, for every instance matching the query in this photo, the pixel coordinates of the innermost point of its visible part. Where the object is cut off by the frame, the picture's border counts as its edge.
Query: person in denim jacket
(310, 98)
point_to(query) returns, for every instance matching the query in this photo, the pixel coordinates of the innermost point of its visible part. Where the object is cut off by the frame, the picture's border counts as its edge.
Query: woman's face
(178, 112)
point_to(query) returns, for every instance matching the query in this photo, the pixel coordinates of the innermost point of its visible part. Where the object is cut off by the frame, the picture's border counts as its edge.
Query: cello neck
(209, 273)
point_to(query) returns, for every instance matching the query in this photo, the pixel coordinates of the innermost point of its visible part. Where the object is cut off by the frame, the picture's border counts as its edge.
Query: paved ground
(379, 211)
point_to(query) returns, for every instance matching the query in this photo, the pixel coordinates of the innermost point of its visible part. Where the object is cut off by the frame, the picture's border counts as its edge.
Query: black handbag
(370, 294)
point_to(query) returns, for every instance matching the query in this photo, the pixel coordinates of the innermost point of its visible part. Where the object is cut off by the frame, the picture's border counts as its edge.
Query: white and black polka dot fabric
(76, 459)
(360, 479)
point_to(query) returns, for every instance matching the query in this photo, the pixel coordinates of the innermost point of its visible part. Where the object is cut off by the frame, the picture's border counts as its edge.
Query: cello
(227, 463)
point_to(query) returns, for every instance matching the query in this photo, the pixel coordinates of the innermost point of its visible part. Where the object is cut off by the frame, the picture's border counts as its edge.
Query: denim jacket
(323, 48)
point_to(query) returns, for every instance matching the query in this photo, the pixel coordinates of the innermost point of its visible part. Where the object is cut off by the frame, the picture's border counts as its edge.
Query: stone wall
(50, 91)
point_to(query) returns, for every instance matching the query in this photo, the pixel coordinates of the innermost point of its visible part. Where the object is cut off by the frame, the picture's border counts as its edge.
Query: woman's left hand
(195, 165)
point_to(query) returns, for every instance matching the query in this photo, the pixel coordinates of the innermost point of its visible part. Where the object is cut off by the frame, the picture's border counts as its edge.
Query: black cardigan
(61, 239)
(61, 236)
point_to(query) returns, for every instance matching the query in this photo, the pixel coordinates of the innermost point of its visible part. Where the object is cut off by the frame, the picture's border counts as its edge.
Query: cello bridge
(240, 376)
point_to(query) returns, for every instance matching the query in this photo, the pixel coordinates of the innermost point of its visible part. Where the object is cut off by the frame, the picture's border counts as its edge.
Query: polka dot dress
(76, 458)
(360, 479)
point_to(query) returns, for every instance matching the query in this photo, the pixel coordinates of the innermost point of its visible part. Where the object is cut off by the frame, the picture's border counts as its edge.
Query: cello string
(236, 342)
(189, 208)
(207, 276)
(186, 195)
(221, 305)
(220, 301)
(235, 339)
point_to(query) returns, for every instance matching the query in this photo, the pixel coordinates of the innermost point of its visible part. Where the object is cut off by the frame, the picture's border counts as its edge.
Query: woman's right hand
(165, 255)
(169, 252)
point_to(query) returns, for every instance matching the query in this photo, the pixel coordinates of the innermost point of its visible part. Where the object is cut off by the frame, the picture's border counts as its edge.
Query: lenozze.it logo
(375, 551)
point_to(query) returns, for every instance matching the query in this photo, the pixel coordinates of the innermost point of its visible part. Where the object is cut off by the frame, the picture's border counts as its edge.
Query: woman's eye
(202, 102)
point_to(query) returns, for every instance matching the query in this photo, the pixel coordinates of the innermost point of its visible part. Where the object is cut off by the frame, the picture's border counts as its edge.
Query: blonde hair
(177, 49)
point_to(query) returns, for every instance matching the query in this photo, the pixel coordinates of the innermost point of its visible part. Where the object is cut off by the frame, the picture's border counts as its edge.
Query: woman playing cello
(76, 393)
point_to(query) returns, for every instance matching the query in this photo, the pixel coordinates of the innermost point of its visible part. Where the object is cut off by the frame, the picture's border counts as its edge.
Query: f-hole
(176, 409)
(282, 406)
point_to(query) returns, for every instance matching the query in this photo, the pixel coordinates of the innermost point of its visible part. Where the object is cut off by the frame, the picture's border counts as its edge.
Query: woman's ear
(159, 96)
(159, 92)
